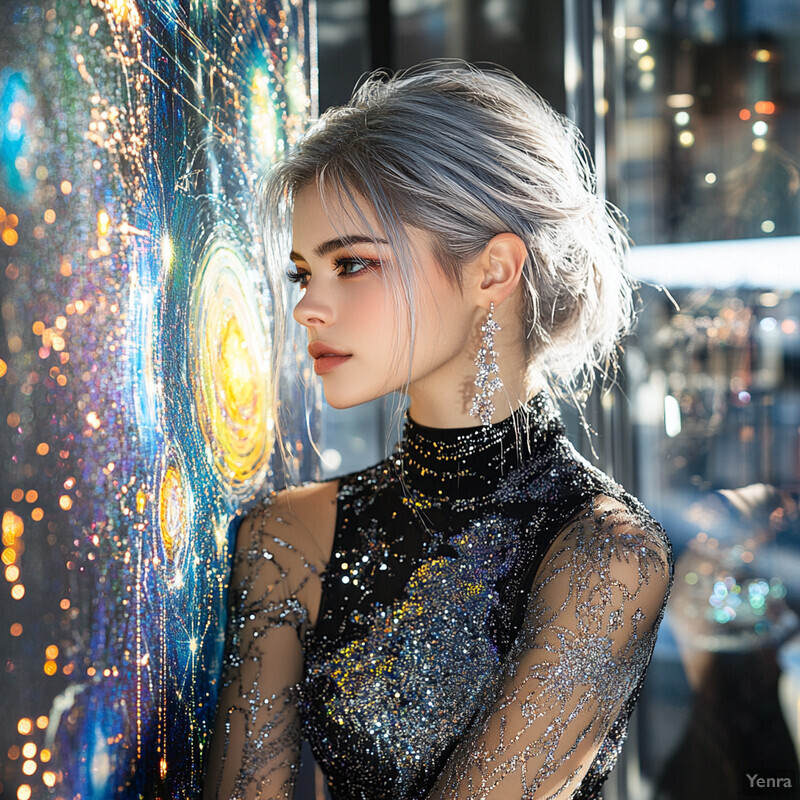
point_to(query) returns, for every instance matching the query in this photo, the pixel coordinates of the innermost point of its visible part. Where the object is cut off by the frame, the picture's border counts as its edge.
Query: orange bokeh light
(12, 525)
(744, 114)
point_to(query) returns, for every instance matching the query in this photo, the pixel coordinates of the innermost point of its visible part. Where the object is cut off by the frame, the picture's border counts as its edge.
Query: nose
(311, 311)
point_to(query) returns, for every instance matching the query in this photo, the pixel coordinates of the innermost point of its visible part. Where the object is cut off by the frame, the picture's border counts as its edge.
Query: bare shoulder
(302, 516)
(311, 506)
(286, 541)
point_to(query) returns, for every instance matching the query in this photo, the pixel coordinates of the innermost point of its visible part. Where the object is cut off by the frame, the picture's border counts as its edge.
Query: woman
(472, 617)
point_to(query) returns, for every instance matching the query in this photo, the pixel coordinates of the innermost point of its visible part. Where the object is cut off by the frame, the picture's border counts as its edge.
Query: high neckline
(462, 463)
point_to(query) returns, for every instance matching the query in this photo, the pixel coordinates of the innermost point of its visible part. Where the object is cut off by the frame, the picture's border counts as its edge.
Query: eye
(298, 276)
(347, 265)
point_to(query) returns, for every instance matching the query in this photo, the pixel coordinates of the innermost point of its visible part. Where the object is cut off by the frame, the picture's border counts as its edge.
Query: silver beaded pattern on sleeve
(256, 748)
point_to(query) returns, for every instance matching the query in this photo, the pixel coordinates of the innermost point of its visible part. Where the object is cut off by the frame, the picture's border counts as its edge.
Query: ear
(500, 265)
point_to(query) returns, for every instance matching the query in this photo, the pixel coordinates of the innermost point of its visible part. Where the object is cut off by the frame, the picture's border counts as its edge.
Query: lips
(326, 358)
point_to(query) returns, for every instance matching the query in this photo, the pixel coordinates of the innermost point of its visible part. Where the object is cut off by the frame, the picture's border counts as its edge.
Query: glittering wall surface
(134, 371)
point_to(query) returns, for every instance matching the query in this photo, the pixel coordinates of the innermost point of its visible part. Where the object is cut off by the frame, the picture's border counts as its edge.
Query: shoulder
(282, 548)
(608, 573)
(630, 528)
(301, 518)
(614, 538)
(602, 511)
(365, 483)
(305, 506)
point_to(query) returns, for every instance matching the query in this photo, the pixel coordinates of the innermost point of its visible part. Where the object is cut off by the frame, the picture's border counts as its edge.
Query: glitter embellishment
(500, 611)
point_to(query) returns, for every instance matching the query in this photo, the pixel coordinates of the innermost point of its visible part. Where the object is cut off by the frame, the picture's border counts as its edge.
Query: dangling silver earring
(488, 380)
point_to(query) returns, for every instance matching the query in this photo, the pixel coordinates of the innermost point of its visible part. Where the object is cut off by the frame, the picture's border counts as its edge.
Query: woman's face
(359, 339)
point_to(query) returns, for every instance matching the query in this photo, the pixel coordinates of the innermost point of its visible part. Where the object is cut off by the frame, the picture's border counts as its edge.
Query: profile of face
(359, 333)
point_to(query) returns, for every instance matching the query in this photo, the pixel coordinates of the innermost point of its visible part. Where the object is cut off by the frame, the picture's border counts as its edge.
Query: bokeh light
(135, 379)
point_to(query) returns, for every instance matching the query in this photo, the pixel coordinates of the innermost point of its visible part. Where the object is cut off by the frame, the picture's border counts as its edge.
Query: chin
(350, 399)
(339, 405)
(340, 402)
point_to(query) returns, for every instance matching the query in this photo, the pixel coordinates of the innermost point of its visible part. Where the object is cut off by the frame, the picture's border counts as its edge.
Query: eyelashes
(295, 276)
(345, 267)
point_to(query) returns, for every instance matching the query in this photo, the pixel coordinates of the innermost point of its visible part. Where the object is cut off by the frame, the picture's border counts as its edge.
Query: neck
(443, 400)
(453, 412)
(469, 462)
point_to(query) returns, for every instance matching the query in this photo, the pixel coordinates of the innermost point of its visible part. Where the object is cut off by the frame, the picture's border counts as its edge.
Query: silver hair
(465, 153)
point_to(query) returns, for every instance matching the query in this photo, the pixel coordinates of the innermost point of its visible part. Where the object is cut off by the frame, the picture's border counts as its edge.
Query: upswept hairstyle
(465, 153)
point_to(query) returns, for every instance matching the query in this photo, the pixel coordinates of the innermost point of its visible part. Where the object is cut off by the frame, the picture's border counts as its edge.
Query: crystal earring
(488, 380)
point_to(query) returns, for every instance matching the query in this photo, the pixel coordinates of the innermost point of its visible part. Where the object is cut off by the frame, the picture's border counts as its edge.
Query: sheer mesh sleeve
(255, 748)
(586, 640)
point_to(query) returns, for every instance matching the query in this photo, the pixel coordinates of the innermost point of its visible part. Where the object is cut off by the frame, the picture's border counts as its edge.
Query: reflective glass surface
(703, 126)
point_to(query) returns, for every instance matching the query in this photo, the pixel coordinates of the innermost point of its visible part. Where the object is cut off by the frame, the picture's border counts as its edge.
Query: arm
(255, 750)
(587, 637)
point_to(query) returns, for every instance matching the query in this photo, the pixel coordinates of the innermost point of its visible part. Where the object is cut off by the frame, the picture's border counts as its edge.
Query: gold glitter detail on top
(488, 613)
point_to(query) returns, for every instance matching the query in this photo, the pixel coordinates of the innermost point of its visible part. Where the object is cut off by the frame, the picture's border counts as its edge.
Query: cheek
(378, 318)
(442, 322)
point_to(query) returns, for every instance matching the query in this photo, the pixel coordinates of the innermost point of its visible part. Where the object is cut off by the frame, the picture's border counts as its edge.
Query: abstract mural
(137, 417)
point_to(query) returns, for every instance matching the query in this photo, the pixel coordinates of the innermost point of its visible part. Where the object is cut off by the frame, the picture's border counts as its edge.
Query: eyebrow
(336, 244)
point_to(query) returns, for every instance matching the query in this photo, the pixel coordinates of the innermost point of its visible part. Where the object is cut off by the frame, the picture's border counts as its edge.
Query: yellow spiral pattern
(172, 511)
(230, 360)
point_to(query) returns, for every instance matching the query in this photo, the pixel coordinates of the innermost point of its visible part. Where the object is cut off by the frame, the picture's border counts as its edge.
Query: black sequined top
(488, 612)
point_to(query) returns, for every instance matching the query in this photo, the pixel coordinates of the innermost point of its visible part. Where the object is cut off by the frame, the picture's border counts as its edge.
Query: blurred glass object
(343, 46)
(706, 119)
(702, 119)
